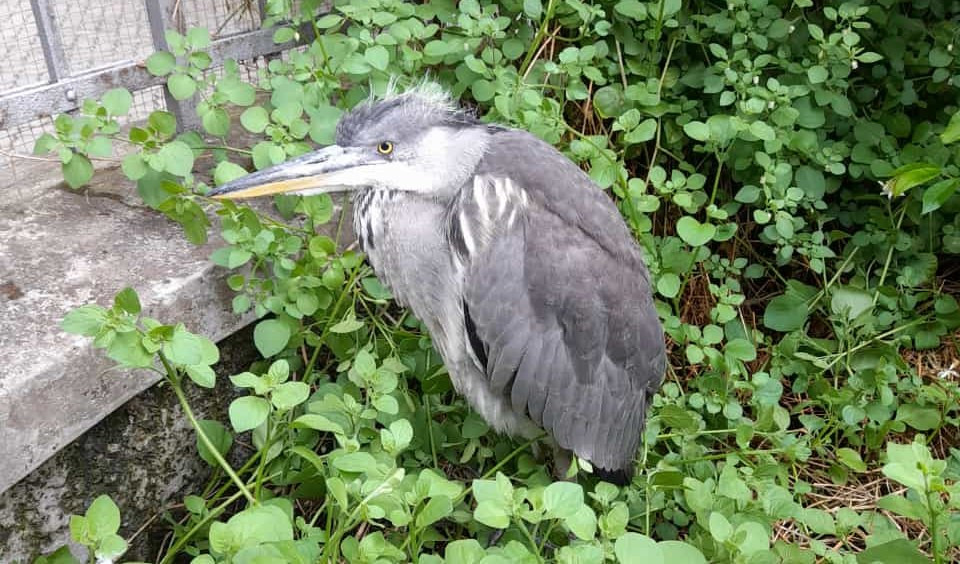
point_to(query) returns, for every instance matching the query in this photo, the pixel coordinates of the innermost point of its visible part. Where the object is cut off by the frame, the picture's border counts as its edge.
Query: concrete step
(60, 249)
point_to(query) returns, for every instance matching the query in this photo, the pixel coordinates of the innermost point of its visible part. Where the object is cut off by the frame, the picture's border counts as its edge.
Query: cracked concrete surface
(62, 249)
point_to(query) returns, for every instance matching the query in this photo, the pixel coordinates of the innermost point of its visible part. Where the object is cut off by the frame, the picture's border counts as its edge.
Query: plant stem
(538, 39)
(886, 264)
(214, 513)
(214, 452)
(530, 539)
(264, 452)
(499, 465)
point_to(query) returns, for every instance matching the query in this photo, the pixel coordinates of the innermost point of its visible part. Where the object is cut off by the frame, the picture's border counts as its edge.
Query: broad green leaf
(785, 313)
(562, 499)
(919, 417)
(362, 462)
(261, 524)
(177, 158)
(248, 412)
(127, 349)
(85, 320)
(697, 130)
(216, 122)
(181, 86)
(402, 432)
(904, 463)
(720, 527)
(437, 508)
(346, 326)
(378, 57)
(693, 232)
(741, 349)
(117, 101)
(161, 63)
(110, 548)
(187, 348)
(668, 285)
(850, 302)
(533, 9)
(198, 37)
(202, 375)
(323, 123)
(436, 48)
(44, 144)
(952, 132)
(817, 74)
(289, 395)
(255, 119)
(910, 176)
(935, 196)
(219, 435)
(634, 548)
(676, 552)
(898, 551)
(60, 556)
(818, 520)
(319, 423)
(644, 132)
(163, 122)
(78, 171)
(483, 90)
(582, 523)
(633, 9)
(271, 337)
(134, 166)
(464, 551)
(851, 459)
(227, 171)
(492, 515)
(103, 517)
(284, 34)
(763, 131)
(752, 537)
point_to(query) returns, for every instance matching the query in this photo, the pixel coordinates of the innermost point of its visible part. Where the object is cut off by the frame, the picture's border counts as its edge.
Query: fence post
(50, 40)
(160, 14)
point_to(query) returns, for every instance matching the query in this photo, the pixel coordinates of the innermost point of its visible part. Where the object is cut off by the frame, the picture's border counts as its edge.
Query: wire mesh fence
(24, 65)
(56, 49)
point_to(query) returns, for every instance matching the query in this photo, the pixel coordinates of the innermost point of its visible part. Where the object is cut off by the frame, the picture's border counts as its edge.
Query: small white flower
(756, 80)
(854, 64)
(886, 190)
(792, 28)
(771, 105)
(950, 47)
(948, 373)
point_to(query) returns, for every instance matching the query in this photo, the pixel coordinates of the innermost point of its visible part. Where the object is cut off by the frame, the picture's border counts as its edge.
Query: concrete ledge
(60, 249)
(142, 455)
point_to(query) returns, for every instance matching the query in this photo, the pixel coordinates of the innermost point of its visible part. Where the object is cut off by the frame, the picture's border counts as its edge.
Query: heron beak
(331, 169)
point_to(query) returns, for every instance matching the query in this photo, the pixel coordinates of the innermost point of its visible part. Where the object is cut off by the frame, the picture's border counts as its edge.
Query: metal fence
(59, 52)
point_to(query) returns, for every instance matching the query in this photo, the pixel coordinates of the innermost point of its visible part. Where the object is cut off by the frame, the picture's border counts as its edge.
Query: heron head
(416, 141)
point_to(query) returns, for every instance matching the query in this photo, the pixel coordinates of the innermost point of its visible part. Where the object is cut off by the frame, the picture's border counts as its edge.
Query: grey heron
(523, 271)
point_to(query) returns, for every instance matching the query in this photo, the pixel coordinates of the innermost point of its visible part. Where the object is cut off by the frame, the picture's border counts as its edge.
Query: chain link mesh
(97, 34)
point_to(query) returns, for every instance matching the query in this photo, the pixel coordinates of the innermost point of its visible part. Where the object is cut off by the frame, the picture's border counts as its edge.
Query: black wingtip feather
(477, 344)
(621, 477)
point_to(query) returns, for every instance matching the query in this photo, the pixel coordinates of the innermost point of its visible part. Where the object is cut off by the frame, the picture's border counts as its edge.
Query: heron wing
(557, 303)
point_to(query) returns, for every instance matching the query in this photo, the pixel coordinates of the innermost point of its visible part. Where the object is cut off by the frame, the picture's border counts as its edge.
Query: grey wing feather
(562, 302)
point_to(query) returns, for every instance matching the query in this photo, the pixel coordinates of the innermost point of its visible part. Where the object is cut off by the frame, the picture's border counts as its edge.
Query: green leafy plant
(790, 171)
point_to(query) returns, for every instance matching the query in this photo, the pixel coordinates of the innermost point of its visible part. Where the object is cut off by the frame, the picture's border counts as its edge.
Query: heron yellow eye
(385, 148)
